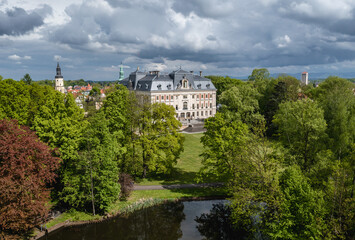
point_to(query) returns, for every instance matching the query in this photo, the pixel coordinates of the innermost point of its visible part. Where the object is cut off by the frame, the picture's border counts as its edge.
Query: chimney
(200, 73)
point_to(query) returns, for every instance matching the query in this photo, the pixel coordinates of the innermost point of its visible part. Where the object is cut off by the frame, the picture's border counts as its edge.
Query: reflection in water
(216, 224)
(170, 221)
(158, 222)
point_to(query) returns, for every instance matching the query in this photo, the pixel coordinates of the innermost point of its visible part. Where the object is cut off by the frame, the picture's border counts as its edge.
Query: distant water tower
(304, 78)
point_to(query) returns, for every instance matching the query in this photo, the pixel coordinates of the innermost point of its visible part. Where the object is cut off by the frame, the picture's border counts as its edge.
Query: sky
(91, 38)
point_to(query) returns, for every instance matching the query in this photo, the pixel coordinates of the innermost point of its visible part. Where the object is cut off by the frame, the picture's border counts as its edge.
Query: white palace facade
(192, 96)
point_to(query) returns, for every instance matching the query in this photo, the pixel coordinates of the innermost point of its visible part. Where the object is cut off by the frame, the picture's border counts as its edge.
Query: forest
(286, 152)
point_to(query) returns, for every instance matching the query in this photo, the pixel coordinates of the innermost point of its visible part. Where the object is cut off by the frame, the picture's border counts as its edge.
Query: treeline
(78, 159)
(287, 152)
(79, 82)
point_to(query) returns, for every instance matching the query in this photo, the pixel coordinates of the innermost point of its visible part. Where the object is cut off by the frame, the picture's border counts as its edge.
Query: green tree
(337, 99)
(302, 209)
(27, 79)
(15, 100)
(302, 128)
(92, 179)
(158, 137)
(241, 104)
(223, 83)
(224, 142)
(261, 79)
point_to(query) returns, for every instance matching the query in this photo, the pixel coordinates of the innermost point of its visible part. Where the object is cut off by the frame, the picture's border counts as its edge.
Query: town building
(304, 78)
(59, 81)
(192, 96)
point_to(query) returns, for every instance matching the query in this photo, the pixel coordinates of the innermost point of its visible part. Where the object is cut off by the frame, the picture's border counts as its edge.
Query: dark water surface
(173, 220)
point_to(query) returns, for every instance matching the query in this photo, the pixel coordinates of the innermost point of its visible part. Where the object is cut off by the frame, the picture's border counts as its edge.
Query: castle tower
(121, 73)
(59, 81)
(304, 78)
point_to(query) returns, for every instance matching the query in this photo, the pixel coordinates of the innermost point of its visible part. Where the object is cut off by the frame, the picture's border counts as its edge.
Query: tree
(26, 167)
(223, 143)
(302, 209)
(158, 137)
(261, 78)
(241, 104)
(27, 79)
(92, 179)
(15, 100)
(302, 128)
(223, 83)
(335, 96)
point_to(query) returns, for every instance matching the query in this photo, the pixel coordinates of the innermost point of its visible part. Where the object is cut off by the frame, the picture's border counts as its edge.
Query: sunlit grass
(187, 167)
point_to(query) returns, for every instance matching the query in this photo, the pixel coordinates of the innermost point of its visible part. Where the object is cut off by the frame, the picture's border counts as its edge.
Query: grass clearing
(187, 167)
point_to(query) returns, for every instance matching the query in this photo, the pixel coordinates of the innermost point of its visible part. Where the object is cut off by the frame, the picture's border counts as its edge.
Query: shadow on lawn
(177, 176)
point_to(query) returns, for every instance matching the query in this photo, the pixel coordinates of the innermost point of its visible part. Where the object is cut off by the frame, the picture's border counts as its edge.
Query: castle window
(185, 96)
(157, 97)
(185, 106)
(201, 113)
(197, 114)
(193, 106)
(210, 105)
(176, 107)
(198, 106)
(193, 96)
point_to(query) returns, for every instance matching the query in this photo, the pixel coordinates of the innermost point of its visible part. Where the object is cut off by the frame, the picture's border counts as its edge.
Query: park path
(177, 186)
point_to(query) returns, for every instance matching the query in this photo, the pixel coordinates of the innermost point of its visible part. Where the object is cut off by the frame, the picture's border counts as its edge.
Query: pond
(172, 220)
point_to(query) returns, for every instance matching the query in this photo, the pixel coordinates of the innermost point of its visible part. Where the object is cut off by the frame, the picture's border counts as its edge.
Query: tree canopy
(26, 167)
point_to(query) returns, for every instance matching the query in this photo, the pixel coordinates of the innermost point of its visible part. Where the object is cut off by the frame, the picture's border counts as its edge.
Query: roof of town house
(156, 81)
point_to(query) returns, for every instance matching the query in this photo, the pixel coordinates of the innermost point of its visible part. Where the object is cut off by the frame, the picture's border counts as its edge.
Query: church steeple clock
(59, 81)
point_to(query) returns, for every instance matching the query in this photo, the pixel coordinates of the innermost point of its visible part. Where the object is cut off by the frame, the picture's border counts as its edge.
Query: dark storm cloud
(224, 34)
(17, 21)
(203, 8)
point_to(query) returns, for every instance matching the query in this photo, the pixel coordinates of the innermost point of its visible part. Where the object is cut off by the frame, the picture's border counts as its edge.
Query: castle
(192, 96)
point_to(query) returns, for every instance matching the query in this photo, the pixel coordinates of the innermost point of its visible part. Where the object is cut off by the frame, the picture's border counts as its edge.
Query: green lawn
(187, 166)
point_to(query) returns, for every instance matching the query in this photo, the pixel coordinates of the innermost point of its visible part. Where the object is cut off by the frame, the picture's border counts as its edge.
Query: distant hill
(311, 76)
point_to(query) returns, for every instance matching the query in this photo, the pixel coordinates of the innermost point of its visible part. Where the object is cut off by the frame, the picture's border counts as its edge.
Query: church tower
(121, 73)
(59, 81)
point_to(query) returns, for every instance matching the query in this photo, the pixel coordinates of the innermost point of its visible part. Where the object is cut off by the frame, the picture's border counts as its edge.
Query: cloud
(17, 58)
(18, 21)
(220, 36)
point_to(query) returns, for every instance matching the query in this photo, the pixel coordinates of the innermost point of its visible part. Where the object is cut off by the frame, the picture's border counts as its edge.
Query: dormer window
(139, 85)
(185, 83)
(199, 86)
(208, 85)
(159, 86)
(146, 86)
(169, 86)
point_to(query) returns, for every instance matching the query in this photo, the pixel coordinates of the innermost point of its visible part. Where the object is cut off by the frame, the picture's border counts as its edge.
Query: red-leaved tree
(26, 167)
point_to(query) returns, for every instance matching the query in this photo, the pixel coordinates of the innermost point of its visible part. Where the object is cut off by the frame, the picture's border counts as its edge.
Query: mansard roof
(155, 81)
